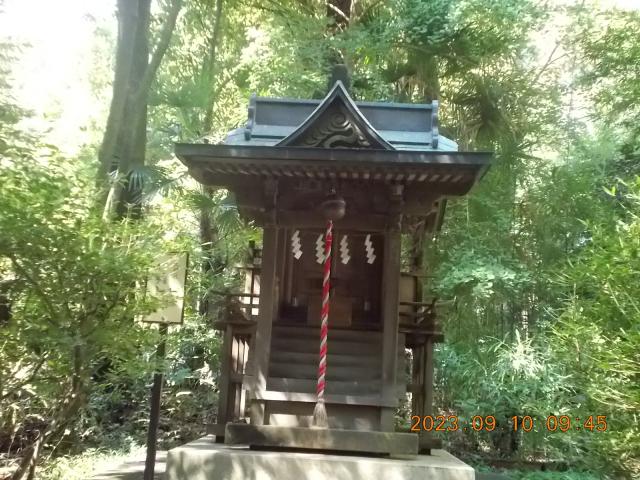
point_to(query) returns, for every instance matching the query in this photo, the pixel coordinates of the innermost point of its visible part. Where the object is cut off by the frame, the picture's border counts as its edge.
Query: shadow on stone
(134, 470)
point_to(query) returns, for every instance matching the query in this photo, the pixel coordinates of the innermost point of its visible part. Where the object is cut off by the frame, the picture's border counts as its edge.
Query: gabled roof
(336, 123)
(404, 126)
(337, 139)
(359, 146)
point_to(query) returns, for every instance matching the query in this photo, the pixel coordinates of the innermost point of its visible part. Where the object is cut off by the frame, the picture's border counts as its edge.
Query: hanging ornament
(296, 246)
(333, 208)
(344, 250)
(368, 245)
(320, 249)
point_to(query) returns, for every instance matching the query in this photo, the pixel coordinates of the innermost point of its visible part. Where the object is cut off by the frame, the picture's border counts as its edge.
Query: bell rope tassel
(320, 418)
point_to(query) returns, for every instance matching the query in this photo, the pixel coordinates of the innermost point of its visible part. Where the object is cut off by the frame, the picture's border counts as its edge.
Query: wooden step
(375, 400)
(311, 345)
(338, 387)
(337, 335)
(334, 372)
(371, 360)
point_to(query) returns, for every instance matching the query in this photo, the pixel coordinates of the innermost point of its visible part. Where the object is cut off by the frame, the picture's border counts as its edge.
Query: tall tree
(124, 142)
(208, 229)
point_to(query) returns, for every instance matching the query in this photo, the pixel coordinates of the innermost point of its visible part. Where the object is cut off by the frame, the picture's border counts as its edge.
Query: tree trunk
(339, 11)
(123, 146)
(66, 412)
(122, 128)
(209, 66)
(127, 14)
(27, 468)
(208, 229)
(133, 139)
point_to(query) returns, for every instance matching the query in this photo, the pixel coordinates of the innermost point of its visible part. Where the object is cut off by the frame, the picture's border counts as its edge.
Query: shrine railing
(237, 314)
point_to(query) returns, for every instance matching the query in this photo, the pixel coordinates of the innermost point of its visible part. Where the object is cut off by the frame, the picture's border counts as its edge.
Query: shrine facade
(392, 171)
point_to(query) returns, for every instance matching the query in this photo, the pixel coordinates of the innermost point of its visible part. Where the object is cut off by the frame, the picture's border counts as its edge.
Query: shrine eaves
(338, 141)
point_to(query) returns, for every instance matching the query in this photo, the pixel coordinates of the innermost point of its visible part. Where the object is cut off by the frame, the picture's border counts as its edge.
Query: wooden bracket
(270, 200)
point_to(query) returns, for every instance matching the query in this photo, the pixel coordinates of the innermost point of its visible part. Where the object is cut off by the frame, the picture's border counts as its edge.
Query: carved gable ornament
(336, 123)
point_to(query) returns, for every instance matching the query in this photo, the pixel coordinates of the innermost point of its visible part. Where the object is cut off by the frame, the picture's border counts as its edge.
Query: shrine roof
(333, 163)
(404, 126)
(338, 138)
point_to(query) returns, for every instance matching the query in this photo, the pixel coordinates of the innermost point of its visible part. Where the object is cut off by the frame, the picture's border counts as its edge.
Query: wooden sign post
(167, 282)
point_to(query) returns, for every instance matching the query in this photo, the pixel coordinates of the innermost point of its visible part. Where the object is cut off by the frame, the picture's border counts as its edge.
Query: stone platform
(204, 459)
(330, 439)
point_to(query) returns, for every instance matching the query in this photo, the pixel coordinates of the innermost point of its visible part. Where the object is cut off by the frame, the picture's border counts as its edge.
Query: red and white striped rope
(324, 316)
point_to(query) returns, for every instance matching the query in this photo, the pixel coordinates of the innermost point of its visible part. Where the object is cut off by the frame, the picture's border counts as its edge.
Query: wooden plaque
(167, 282)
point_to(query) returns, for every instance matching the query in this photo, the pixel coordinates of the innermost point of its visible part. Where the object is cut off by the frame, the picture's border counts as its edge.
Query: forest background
(539, 268)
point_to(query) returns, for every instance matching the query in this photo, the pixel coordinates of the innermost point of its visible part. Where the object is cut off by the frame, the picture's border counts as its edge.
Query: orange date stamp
(524, 423)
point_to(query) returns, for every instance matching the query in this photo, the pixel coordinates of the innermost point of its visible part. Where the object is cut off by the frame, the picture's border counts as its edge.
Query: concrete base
(206, 460)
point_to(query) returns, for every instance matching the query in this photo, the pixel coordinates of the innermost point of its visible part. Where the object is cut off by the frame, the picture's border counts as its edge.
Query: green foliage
(503, 380)
(533, 259)
(570, 475)
(73, 282)
(611, 53)
(558, 291)
(597, 330)
(539, 262)
(12, 139)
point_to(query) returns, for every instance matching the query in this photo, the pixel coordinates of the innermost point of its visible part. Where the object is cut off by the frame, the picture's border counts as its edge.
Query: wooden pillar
(268, 307)
(428, 377)
(417, 378)
(390, 308)
(154, 415)
(426, 439)
(390, 282)
(225, 372)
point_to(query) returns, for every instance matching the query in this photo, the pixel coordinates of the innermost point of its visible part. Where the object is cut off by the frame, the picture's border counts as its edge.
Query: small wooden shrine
(391, 170)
